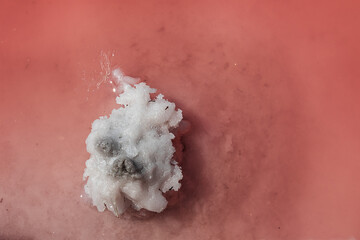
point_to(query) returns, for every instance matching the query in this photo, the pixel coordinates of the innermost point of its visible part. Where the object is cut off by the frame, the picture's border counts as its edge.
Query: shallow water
(270, 89)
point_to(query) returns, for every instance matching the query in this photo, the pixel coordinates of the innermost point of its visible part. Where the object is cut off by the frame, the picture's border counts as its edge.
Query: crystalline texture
(131, 153)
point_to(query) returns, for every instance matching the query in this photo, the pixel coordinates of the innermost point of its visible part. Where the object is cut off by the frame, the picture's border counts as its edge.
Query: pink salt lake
(270, 88)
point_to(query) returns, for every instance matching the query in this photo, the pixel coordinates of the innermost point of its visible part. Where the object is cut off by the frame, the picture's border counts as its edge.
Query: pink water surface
(271, 89)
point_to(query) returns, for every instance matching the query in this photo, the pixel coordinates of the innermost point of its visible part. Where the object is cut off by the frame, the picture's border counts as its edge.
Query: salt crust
(131, 152)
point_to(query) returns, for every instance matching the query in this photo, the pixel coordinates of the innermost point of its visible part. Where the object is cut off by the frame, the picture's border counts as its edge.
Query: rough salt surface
(131, 152)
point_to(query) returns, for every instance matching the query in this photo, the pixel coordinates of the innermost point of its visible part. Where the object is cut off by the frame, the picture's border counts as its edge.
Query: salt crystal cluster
(131, 152)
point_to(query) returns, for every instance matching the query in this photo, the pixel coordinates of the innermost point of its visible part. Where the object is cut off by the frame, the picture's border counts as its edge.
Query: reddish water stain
(270, 89)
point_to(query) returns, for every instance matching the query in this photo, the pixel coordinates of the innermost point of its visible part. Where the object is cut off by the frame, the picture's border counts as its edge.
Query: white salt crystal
(131, 153)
